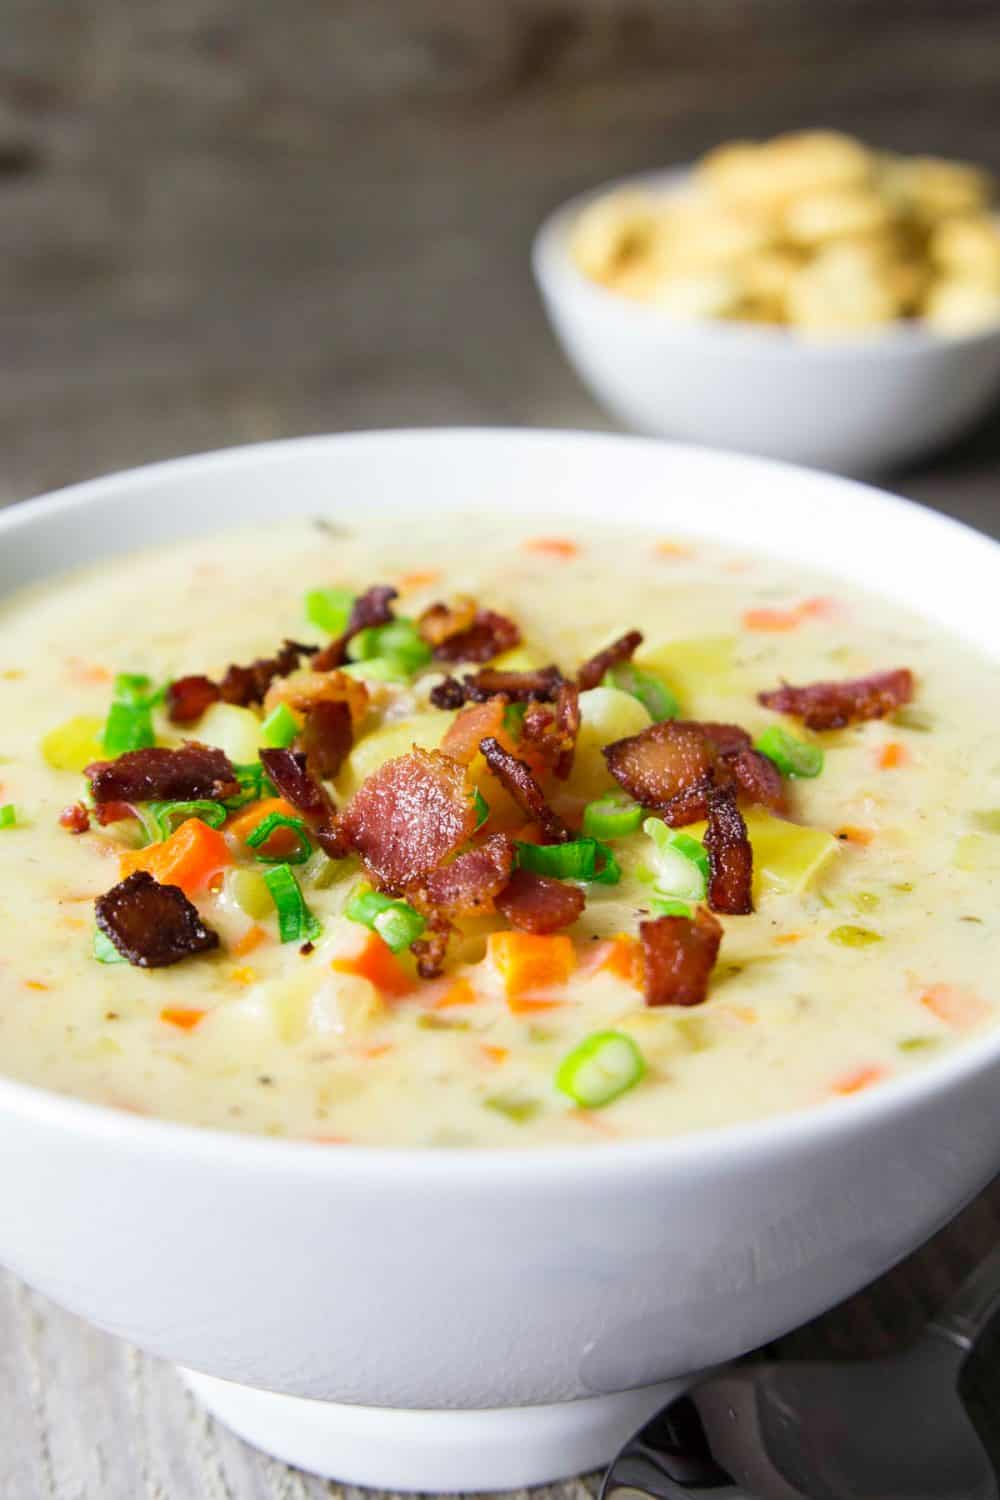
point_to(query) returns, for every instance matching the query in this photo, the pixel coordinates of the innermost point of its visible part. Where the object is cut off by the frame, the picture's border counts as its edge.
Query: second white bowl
(856, 405)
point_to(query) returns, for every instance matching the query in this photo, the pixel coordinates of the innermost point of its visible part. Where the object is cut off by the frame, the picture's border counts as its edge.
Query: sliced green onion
(611, 817)
(482, 807)
(652, 693)
(160, 819)
(248, 889)
(8, 815)
(850, 936)
(791, 756)
(280, 727)
(513, 1107)
(513, 719)
(378, 669)
(330, 609)
(254, 785)
(681, 863)
(296, 923)
(105, 951)
(580, 859)
(396, 922)
(129, 725)
(398, 639)
(669, 907)
(266, 827)
(602, 1068)
(134, 688)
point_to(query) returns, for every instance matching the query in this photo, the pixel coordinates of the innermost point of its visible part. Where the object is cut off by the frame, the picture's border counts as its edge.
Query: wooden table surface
(227, 220)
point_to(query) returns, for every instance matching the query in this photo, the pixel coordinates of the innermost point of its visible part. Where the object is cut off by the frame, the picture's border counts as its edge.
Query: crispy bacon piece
(468, 885)
(758, 779)
(327, 737)
(373, 607)
(663, 761)
(488, 636)
(408, 816)
(730, 857)
(302, 690)
(161, 775)
(189, 697)
(431, 950)
(245, 685)
(516, 778)
(448, 693)
(75, 818)
(539, 903)
(441, 621)
(474, 723)
(831, 705)
(553, 731)
(678, 955)
(289, 771)
(593, 670)
(152, 925)
(540, 685)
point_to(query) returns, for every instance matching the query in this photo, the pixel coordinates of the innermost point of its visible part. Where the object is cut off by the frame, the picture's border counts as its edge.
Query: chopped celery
(913, 718)
(513, 1107)
(8, 815)
(329, 609)
(105, 951)
(248, 890)
(850, 936)
(987, 821)
(280, 727)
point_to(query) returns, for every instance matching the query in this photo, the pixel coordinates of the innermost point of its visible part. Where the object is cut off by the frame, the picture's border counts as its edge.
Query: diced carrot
(624, 959)
(473, 724)
(819, 608)
(673, 550)
(958, 1008)
(376, 1049)
(86, 673)
(243, 975)
(853, 835)
(495, 1054)
(460, 992)
(553, 546)
(529, 833)
(188, 858)
(35, 984)
(181, 1016)
(525, 1005)
(281, 841)
(419, 578)
(251, 939)
(528, 962)
(377, 963)
(859, 1078)
(787, 937)
(774, 620)
(892, 756)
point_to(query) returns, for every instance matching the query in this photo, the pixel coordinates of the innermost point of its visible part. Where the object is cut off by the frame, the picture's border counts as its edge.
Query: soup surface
(576, 987)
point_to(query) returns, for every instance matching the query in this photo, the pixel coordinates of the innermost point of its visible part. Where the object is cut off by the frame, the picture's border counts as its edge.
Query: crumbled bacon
(758, 779)
(593, 670)
(473, 724)
(441, 621)
(289, 771)
(678, 955)
(663, 761)
(539, 685)
(245, 685)
(75, 818)
(831, 705)
(516, 778)
(730, 857)
(468, 885)
(327, 737)
(152, 925)
(302, 690)
(489, 635)
(553, 730)
(372, 608)
(409, 816)
(448, 693)
(431, 950)
(189, 697)
(539, 903)
(161, 775)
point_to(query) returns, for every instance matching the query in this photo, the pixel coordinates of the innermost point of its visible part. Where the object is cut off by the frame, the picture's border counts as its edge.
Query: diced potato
(700, 671)
(931, 188)
(248, 890)
(843, 290)
(73, 745)
(517, 659)
(773, 173)
(712, 294)
(425, 730)
(344, 1007)
(606, 714)
(610, 231)
(786, 856)
(816, 218)
(958, 307)
(235, 730)
(968, 248)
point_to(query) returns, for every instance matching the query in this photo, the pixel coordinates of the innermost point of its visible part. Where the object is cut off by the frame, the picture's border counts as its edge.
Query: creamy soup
(586, 996)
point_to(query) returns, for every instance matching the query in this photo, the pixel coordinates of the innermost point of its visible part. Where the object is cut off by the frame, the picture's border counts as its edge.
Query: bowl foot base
(441, 1451)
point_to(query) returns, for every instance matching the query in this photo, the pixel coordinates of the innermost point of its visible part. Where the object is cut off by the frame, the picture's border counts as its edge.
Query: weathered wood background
(224, 220)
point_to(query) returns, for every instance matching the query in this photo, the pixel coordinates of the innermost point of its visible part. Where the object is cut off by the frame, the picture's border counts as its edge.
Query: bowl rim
(535, 1168)
(557, 275)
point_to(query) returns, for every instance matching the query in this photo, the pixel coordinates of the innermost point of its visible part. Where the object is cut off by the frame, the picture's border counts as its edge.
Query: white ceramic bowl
(466, 1319)
(857, 405)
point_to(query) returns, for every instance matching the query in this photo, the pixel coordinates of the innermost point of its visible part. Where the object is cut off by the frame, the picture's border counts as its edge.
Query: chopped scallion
(396, 922)
(681, 868)
(792, 757)
(160, 819)
(579, 859)
(105, 951)
(652, 692)
(266, 827)
(254, 785)
(329, 609)
(670, 908)
(280, 727)
(378, 669)
(513, 719)
(611, 817)
(602, 1068)
(398, 639)
(8, 815)
(296, 923)
(482, 807)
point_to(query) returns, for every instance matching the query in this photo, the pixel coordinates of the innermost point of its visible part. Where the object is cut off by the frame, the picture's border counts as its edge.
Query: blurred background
(228, 220)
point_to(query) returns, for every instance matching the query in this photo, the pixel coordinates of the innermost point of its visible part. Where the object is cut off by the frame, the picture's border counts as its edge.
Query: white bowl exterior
(858, 405)
(475, 1279)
